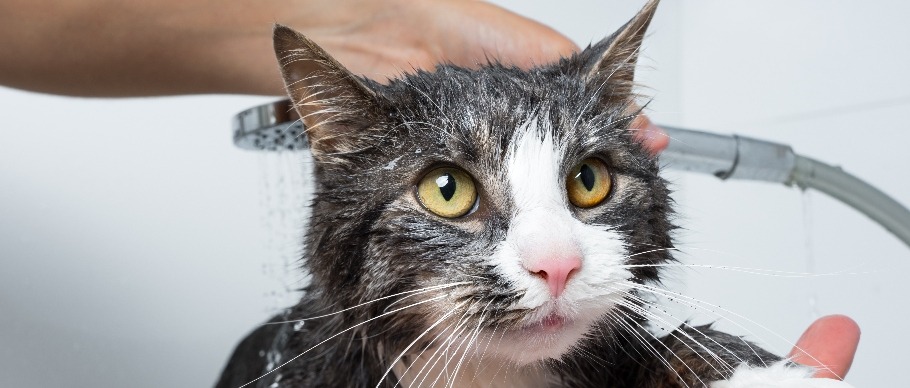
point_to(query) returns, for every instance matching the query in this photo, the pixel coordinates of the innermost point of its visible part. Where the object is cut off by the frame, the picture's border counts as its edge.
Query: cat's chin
(549, 337)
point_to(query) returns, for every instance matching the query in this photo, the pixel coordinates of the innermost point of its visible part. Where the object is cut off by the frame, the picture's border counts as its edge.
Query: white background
(137, 245)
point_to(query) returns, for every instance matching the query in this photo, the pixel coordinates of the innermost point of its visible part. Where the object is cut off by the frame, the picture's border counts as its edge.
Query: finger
(829, 344)
(651, 136)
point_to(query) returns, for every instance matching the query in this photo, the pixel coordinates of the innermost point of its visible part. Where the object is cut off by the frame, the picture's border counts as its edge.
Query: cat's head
(508, 203)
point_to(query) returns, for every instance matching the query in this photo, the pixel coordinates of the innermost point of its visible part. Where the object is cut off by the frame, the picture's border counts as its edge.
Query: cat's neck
(431, 370)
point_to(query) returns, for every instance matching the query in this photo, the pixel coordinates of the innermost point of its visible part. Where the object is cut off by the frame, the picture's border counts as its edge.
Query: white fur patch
(543, 225)
(779, 375)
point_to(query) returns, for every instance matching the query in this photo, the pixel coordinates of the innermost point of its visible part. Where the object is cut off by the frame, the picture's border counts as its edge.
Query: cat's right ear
(335, 106)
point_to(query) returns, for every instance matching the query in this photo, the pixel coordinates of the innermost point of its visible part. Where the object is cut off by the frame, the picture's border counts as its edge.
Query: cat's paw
(779, 375)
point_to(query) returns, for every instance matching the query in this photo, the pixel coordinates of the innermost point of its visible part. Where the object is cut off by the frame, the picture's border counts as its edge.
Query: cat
(486, 228)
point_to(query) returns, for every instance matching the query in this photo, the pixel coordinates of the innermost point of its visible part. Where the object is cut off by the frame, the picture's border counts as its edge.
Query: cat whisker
(850, 271)
(754, 271)
(434, 288)
(643, 312)
(338, 334)
(594, 358)
(778, 336)
(451, 377)
(479, 371)
(408, 293)
(614, 331)
(444, 354)
(686, 324)
(694, 304)
(746, 270)
(438, 354)
(502, 364)
(625, 320)
(465, 352)
(657, 340)
(403, 352)
(629, 256)
(426, 347)
(646, 344)
(462, 324)
(639, 309)
(477, 330)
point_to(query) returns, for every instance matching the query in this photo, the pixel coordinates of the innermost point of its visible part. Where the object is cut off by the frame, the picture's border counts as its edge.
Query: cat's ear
(335, 106)
(610, 63)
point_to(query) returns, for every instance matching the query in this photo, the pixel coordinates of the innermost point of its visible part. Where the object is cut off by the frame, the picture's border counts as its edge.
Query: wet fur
(369, 238)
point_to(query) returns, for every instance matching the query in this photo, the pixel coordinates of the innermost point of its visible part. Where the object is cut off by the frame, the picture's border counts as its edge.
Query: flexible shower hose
(738, 157)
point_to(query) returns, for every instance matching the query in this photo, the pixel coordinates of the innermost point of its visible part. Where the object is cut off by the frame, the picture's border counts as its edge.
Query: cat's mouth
(548, 322)
(545, 333)
(552, 323)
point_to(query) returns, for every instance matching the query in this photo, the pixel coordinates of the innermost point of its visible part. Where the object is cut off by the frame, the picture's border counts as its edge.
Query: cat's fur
(516, 133)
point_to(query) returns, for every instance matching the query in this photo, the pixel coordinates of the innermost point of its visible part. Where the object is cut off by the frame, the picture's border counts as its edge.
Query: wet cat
(489, 227)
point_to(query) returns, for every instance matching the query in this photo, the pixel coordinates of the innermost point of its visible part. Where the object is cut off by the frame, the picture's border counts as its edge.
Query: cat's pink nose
(556, 272)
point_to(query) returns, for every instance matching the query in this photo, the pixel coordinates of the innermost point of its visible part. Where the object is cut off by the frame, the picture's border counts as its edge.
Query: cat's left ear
(610, 63)
(336, 107)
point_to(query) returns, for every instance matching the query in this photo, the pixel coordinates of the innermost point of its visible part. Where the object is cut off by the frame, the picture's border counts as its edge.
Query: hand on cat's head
(381, 40)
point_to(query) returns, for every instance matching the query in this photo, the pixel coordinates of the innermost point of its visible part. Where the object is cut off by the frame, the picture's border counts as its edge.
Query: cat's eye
(447, 192)
(588, 183)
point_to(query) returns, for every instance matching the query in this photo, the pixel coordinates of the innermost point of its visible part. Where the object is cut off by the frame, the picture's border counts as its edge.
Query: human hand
(375, 43)
(829, 344)
(383, 39)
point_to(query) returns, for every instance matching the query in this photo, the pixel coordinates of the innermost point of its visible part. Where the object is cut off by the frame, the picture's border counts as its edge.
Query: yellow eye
(448, 192)
(588, 183)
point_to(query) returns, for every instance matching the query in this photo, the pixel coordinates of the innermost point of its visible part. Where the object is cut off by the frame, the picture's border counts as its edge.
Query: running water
(285, 192)
(811, 267)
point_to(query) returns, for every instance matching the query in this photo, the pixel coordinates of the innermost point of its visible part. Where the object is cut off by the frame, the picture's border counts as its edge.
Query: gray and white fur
(402, 296)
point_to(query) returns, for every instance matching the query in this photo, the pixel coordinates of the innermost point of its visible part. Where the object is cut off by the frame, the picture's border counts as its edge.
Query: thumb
(829, 344)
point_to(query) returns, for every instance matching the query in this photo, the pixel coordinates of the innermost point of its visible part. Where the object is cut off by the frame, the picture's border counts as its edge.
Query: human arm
(114, 48)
